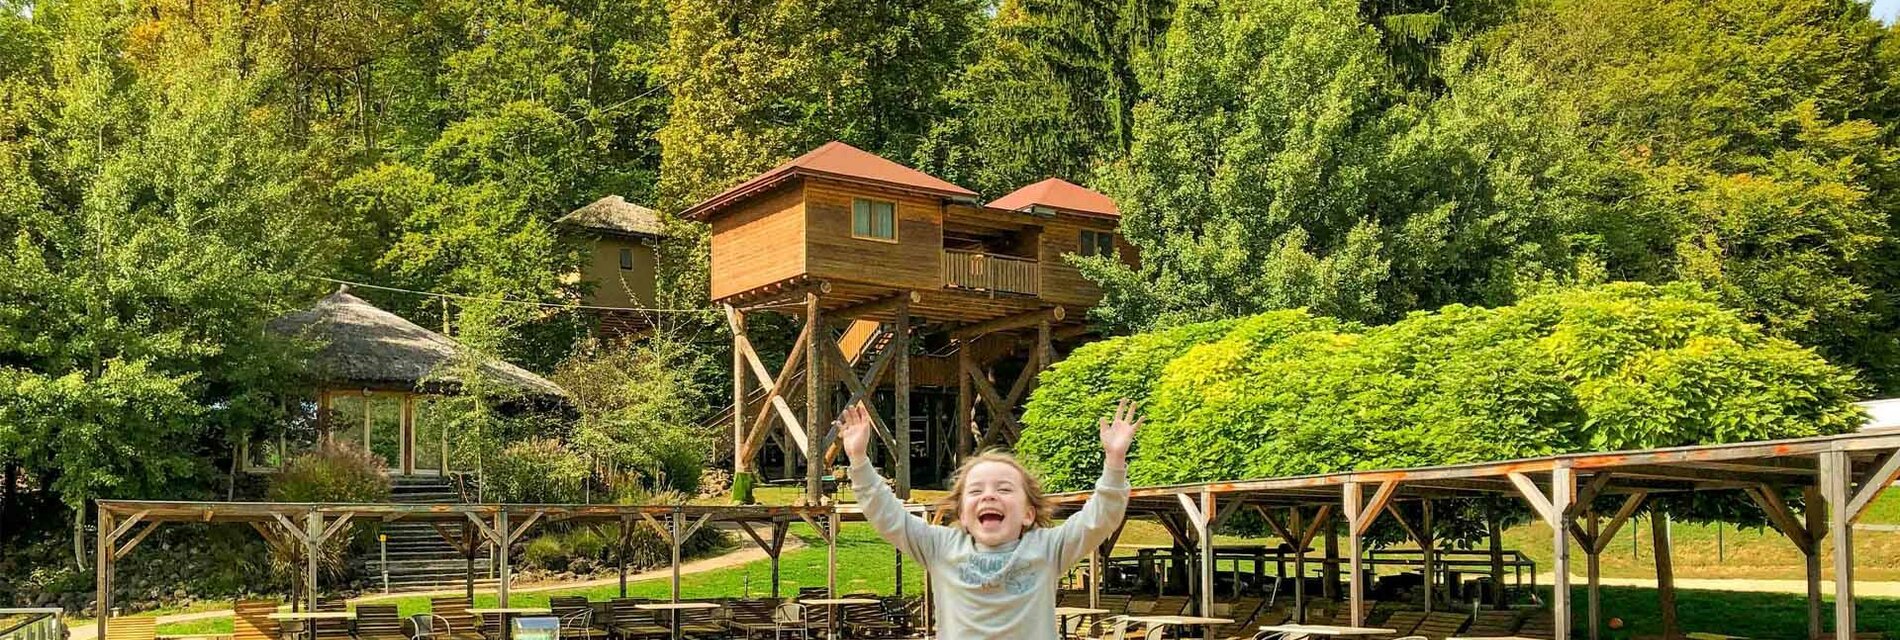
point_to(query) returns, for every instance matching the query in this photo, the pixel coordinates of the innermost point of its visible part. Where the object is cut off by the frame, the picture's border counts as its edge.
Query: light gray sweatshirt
(1003, 592)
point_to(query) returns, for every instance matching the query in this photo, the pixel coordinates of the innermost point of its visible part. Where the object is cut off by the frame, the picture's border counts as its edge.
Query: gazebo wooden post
(1200, 518)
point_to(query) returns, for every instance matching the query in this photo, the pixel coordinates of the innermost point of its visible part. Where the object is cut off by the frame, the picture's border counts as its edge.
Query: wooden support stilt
(816, 395)
(900, 398)
(966, 409)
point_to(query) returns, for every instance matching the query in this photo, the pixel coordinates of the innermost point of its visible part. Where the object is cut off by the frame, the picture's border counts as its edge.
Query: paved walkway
(1861, 587)
(87, 629)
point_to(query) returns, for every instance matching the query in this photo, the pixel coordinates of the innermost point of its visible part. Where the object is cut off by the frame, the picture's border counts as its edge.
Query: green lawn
(865, 563)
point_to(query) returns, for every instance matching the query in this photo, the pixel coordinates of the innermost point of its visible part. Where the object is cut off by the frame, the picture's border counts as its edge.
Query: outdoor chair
(427, 626)
(461, 625)
(378, 622)
(1109, 628)
(250, 620)
(1492, 623)
(749, 617)
(577, 622)
(1401, 622)
(630, 621)
(334, 629)
(139, 628)
(700, 622)
(869, 620)
(1440, 624)
(789, 619)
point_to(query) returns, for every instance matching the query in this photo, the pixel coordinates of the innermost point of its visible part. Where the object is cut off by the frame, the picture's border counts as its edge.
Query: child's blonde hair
(1042, 513)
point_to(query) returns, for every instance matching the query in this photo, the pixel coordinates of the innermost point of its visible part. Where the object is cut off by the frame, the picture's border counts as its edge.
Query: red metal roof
(833, 160)
(1056, 193)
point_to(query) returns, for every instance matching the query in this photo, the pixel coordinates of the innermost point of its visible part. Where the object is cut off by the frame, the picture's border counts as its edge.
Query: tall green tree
(1280, 163)
(1745, 145)
(149, 229)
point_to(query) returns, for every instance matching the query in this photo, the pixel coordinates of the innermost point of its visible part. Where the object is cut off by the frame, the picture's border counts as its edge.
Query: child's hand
(1119, 432)
(854, 430)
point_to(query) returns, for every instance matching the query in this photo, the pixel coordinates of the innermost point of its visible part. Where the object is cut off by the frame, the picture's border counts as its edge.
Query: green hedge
(1618, 366)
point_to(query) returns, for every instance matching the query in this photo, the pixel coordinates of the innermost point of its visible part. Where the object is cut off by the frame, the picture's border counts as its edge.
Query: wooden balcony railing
(991, 273)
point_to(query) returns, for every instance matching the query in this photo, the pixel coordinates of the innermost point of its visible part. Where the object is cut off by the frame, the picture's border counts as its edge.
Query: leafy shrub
(334, 471)
(639, 409)
(1620, 366)
(536, 471)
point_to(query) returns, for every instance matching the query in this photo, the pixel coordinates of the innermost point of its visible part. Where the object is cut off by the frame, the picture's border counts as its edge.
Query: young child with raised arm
(994, 574)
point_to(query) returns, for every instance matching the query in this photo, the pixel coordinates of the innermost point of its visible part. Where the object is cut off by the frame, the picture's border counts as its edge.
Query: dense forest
(174, 173)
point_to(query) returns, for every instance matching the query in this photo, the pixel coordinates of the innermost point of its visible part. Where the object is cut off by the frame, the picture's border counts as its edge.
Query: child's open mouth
(989, 518)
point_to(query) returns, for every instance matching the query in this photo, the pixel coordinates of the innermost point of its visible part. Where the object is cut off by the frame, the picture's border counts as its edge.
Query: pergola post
(778, 546)
(673, 536)
(900, 400)
(1299, 568)
(1814, 518)
(1329, 566)
(1427, 553)
(1355, 594)
(468, 551)
(501, 551)
(831, 552)
(1201, 518)
(1593, 572)
(1837, 490)
(1665, 572)
(1494, 530)
(313, 535)
(103, 571)
(1554, 509)
(620, 552)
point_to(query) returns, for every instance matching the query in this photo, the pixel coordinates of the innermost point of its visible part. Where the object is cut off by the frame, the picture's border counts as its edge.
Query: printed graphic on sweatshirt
(981, 569)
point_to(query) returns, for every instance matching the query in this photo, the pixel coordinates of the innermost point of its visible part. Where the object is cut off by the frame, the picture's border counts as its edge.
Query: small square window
(626, 259)
(1098, 243)
(874, 219)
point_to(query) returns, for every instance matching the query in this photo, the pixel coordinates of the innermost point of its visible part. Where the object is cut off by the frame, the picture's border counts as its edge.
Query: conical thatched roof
(370, 348)
(614, 214)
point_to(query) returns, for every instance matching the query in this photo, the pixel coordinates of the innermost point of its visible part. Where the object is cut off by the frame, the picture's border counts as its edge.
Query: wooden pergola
(1836, 476)
(123, 524)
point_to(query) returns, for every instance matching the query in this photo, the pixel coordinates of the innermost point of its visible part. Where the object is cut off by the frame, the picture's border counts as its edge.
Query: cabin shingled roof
(835, 160)
(1056, 193)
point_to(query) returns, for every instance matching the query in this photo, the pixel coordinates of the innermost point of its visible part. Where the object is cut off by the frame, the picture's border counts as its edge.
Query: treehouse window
(873, 219)
(626, 259)
(1098, 243)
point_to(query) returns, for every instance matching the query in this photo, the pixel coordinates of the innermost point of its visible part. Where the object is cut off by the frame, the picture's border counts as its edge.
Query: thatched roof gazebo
(365, 347)
(375, 366)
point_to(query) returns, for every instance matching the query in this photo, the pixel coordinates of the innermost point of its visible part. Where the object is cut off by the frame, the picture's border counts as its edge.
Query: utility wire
(457, 296)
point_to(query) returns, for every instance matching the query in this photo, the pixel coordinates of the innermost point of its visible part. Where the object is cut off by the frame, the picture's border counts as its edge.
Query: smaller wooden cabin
(621, 240)
(868, 227)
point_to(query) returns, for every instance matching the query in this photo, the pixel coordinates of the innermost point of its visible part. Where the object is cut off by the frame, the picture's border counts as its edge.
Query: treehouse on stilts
(909, 292)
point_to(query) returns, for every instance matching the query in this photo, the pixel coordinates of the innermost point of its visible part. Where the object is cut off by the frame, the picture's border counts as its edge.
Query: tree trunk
(79, 537)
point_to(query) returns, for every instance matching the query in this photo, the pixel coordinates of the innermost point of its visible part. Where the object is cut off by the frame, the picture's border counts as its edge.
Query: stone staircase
(419, 559)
